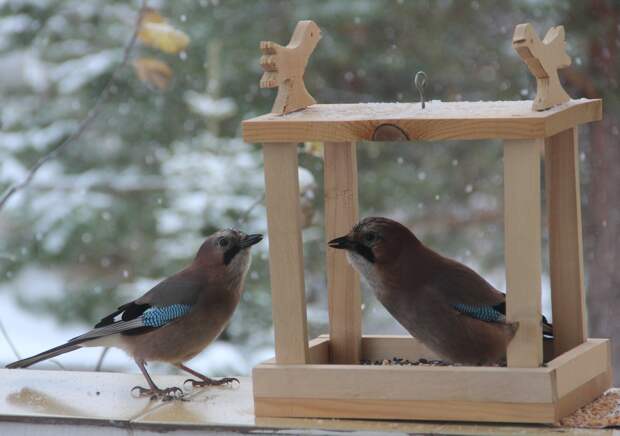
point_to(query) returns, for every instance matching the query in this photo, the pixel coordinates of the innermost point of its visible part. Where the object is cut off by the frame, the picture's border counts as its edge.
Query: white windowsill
(74, 402)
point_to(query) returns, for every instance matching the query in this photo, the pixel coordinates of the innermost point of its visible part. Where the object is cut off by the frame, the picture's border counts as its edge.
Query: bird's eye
(223, 242)
(370, 237)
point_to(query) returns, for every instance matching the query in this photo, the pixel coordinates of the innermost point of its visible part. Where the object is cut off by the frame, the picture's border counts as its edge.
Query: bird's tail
(547, 328)
(56, 351)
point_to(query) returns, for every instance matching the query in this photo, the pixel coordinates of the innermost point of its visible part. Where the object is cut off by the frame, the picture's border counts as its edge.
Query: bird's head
(374, 240)
(229, 248)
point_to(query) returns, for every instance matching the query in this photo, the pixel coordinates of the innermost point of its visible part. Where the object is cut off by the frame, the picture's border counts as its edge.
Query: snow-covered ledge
(71, 402)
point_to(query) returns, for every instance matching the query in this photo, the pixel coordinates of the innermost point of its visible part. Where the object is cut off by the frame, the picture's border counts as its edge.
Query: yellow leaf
(156, 32)
(153, 72)
(314, 148)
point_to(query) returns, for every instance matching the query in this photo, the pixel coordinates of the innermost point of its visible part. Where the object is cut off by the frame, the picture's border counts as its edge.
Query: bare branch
(9, 341)
(58, 364)
(101, 357)
(446, 219)
(246, 213)
(14, 349)
(86, 122)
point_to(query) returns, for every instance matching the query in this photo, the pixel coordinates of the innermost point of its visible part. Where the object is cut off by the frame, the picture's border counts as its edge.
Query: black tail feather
(547, 326)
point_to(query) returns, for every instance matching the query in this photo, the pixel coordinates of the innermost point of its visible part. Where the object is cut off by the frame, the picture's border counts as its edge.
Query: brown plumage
(176, 319)
(443, 303)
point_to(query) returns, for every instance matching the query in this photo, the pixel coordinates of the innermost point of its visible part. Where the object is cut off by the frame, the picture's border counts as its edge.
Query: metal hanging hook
(420, 82)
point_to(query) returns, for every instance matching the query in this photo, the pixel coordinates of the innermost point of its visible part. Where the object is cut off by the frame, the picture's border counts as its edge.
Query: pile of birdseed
(420, 362)
(407, 362)
(603, 412)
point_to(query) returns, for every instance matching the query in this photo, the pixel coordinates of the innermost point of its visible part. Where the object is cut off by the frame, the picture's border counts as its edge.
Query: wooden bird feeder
(323, 377)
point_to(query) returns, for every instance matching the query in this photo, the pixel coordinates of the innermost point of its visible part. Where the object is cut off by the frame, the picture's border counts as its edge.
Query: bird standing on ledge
(178, 318)
(443, 303)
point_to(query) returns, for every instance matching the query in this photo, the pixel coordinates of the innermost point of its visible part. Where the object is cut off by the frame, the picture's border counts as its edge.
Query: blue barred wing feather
(483, 313)
(133, 319)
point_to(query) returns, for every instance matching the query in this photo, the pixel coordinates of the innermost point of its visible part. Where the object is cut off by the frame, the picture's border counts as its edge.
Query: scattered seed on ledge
(399, 361)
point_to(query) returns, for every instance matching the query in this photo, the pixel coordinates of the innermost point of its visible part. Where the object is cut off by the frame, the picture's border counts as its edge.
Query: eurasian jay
(176, 319)
(443, 303)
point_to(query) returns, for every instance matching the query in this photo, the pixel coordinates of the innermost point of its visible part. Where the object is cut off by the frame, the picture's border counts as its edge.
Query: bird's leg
(154, 392)
(204, 380)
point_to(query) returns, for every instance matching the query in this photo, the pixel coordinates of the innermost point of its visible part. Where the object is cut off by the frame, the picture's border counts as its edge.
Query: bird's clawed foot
(210, 382)
(166, 394)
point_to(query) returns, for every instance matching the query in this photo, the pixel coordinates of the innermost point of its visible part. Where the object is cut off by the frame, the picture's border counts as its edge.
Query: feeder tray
(324, 377)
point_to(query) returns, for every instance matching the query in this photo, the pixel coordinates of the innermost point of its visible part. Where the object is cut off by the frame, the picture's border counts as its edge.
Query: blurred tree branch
(603, 222)
(452, 221)
(8, 340)
(86, 122)
(597, 79)
(243, 217)
(101, 357)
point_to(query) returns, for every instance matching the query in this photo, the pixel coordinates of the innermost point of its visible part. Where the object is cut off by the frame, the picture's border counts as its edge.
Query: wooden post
(522, 218)
(341, 213)
(285, 253)
(565, 251)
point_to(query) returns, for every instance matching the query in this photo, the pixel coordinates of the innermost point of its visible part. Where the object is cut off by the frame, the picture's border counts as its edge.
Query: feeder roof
(438, 121)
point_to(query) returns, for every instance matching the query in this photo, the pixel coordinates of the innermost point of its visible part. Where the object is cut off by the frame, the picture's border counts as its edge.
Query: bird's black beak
(250, 240)
(342, 243)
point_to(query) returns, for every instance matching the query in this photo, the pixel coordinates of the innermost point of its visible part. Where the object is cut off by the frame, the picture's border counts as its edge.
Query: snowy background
(163, 164)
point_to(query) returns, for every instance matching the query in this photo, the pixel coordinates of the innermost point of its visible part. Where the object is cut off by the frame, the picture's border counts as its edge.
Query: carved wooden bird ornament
(284, 67)
(543, 58)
